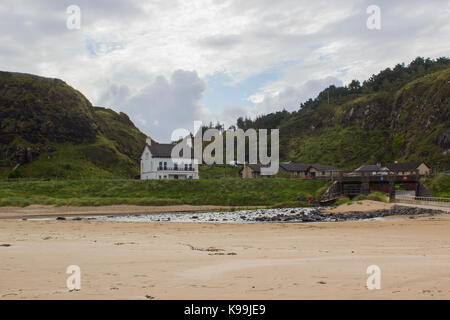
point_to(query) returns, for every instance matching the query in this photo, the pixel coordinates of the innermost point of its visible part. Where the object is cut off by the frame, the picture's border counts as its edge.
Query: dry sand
(362, 206)
(369, 205)
(120, 260)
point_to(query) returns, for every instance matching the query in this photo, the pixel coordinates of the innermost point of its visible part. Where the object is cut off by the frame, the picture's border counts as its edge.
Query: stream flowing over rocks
(297, 215)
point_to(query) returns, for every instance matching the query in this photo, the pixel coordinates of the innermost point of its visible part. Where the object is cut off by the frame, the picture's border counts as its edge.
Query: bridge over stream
(355, 183)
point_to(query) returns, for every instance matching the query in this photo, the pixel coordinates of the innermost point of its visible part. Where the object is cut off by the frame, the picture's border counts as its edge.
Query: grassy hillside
(229, 191)
(399, 114)
(219, 171)
(52, 131)
(439, 185)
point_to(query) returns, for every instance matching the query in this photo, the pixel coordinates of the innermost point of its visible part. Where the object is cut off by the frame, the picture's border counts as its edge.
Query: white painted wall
(149, 167)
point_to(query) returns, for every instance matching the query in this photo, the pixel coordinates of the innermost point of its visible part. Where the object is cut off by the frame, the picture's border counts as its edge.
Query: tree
(354, 86)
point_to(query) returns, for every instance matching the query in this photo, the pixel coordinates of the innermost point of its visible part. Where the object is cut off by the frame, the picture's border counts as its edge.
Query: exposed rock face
(21, 155)
(444, 140)
(405, 120)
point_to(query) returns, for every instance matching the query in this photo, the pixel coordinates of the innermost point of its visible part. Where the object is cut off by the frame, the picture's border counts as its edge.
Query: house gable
(146, 149)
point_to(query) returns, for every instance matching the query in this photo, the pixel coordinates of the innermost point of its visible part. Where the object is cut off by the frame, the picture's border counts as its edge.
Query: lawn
(225, 191)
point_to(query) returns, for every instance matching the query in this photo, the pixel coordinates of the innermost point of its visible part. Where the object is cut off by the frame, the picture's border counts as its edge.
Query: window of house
(165, 177)
(175, 166)
(185, 167)
(190, 166)
(165, 165)
(160, 165)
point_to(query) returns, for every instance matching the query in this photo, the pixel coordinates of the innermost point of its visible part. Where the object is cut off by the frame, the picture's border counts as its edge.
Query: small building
(157, 163)
(299, 170)
(372, 169)
(322, 171)
(406, 168)
(292, 169)
(251, 171)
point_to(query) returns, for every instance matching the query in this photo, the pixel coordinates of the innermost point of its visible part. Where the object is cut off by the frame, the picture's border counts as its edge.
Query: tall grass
(227, 191)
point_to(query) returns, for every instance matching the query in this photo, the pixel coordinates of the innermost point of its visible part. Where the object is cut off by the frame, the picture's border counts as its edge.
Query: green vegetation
(374, 196)
(399, 114)
(402, 114)
(341, 201)
(68, 137)
(227, 191)
(439, 185)
(219, 171)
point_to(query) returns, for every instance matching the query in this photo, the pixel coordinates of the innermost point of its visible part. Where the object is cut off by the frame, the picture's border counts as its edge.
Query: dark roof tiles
(163, 150)
(404, 166)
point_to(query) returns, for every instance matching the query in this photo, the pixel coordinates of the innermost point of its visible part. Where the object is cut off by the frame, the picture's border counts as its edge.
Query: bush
(440, 185)
(377, 196)
(342, 200)
(321, 191)
(15, 174)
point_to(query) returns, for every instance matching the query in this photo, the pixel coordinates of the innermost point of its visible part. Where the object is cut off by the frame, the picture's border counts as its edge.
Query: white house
(157, 163)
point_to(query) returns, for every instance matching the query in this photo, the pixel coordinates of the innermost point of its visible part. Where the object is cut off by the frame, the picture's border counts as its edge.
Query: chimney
(379, 164)
(148, 141)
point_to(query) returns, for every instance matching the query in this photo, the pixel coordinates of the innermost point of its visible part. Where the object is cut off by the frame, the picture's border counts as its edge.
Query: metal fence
(435, 201)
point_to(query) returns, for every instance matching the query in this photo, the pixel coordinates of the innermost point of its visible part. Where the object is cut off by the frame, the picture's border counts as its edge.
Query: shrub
(342, 200)
(15, 174)
(377, 196)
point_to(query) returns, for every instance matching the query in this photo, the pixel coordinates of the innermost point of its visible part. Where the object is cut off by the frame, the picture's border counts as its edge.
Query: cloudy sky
(167, 63)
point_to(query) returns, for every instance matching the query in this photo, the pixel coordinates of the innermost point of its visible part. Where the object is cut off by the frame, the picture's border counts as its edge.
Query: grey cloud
(35, 39)
(164, 105)
(115, 95)
(221, 41)
(291, 97)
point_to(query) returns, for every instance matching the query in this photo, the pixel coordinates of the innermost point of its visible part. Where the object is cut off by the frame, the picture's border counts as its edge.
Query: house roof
(369, 167)
(321, 167)
(303, 167)
(164, 150)
(255, 167)
(404, 166)
(295, 167)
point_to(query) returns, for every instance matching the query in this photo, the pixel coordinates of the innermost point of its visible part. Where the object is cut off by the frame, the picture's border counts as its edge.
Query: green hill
(50, 130)
(399, 114)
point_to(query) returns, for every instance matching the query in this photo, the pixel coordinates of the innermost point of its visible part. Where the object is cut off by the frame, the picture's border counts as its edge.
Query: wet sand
(123, 260)
(42, 211)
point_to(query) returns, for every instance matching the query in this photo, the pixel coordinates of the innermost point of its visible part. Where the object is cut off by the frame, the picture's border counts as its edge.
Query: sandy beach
(124, 260)
(43, 211)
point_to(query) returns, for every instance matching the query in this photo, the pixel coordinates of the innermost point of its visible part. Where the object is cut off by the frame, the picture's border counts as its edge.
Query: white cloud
(127, 52)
